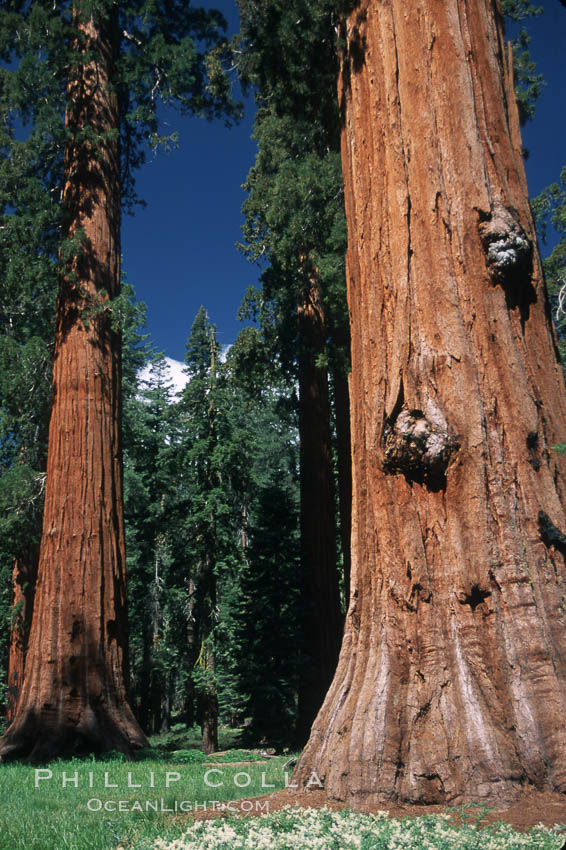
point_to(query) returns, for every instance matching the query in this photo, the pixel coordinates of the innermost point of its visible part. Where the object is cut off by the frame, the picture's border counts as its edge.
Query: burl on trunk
(451, 679)
(74, 692)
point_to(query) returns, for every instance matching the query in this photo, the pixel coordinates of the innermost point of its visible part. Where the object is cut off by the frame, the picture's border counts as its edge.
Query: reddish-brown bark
(451, 683)
(74, 693)
(322, 620)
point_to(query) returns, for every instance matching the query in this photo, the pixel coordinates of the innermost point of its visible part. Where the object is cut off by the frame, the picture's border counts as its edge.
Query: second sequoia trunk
(23, 589)
(74, 692)
(322, 622)
(451, 683)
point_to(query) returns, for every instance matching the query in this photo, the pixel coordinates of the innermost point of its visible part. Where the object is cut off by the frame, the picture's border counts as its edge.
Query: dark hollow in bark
(509, 256)
(418, 448)
(550, 535)
(508, 248)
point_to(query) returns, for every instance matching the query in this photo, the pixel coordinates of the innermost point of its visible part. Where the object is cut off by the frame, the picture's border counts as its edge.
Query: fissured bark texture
(451, 679)
(74, 694)
(322, 620)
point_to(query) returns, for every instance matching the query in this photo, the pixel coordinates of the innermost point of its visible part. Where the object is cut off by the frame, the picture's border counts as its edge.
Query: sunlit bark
(451, 679)
(74, 693)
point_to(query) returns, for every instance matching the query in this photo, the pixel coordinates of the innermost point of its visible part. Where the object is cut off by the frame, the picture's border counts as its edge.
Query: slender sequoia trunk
(451, 679)
(344, 466)
(74, 693)
(144, 701)
(209, 720)
(192, 653)
(207, 588)
(207, 693)
(23, 589)
(321, 602)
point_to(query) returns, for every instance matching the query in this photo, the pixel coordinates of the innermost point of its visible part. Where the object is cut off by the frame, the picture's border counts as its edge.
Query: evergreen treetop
(167, 52)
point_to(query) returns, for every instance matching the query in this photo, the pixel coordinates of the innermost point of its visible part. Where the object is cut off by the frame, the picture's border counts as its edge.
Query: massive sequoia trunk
(322, 622)
(74, 693)
(451, 679)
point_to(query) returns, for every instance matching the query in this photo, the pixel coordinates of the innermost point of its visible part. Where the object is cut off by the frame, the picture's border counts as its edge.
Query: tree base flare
(36, 739)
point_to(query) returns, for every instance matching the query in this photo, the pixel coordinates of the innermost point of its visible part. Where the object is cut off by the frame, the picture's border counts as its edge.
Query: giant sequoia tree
(113, 65)
(452, 671)
(30, 171)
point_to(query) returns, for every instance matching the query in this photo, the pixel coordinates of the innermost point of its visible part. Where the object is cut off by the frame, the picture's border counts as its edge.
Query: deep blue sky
(179, 252)
(545, 135)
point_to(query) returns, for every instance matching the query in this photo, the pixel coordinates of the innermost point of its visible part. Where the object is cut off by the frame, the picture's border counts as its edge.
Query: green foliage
(205, 531)
(212, 531)
(549, 208)
(517, 10)
(168, 53)
(265, 626)
(148, 491)
(287, 52)
(295, 230)
(171, 53)
(188, 757)
(237, 755)
(268, 625)
(528, 84)
(294, 213)
(295, 220)
(19, 517)
(183, 737)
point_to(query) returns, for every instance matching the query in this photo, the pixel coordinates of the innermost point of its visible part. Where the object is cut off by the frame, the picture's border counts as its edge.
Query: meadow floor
(531, 809)
(166, 800)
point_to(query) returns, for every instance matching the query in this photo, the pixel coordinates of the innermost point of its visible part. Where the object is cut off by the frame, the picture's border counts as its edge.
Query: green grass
(181, 737)
(70, 805)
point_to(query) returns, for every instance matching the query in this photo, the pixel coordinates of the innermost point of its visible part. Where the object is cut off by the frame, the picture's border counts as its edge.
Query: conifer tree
(550, 210)
(266, 627)
(204, 499)
(110, 67)
(173, 457)
(528, 84)
(149, 490)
